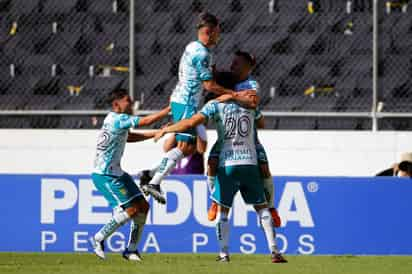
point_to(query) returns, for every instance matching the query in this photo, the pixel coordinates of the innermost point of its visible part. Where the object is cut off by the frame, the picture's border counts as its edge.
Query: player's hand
(225, 97)
(246, 93)
(159, 134)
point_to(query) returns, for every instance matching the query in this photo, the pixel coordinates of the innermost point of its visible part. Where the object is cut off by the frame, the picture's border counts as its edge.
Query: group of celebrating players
(237, 161)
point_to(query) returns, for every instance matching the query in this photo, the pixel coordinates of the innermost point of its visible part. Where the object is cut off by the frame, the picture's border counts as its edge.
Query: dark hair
(210, 96)
(116, 95)
(406, 167)
(247, 56)
(207, 20)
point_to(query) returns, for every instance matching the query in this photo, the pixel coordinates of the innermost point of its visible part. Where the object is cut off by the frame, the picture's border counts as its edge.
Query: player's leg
(268, 183)
(224, 191)
(212, 165)
(186, 145)
(252, 191)
(119, 193)
(137, 209)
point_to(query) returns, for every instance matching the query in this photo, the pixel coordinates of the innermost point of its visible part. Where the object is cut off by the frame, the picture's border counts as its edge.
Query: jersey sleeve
(210, 110)
(125, 121)
(202, 64)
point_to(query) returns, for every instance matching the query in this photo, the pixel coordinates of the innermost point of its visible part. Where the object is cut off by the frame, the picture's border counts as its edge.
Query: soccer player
(195, 74)
(241, 69)
(238, 170)
(117, 186)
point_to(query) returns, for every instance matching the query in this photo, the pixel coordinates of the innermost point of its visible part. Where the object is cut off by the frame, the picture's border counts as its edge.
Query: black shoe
(277, 258)
(155, 191)
(131, 255)
(224, 259)
(145, 178)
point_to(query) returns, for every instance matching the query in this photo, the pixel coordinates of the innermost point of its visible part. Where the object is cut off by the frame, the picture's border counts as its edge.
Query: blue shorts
(245, 178)
(180, 112)
(118, 191)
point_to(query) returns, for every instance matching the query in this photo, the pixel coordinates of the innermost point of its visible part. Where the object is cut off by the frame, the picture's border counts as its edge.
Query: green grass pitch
(37, 263)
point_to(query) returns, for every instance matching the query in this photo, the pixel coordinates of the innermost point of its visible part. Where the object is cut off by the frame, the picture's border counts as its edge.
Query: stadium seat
(51, 7)
(21, 7)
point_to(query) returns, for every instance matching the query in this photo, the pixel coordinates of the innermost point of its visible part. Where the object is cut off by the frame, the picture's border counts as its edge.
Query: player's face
(125, 105)
(240, 67)
(214, 34)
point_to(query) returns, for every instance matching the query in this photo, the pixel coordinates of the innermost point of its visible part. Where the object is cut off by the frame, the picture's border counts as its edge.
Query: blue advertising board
(326, 215)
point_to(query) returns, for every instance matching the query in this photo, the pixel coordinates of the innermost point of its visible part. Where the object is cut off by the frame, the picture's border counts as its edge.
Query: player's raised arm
(181, 126)
(247, 101)
(212, 86)
(134, 137)
(150, 119)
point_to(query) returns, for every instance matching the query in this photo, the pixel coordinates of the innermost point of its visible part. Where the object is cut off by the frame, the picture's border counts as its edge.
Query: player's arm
(134, 137)
(260, 123)
(181, 126)
(150, 119)
(213, 87)
(201, 63)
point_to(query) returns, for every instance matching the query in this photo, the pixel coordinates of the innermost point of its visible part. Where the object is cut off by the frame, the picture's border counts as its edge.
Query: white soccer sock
(270, 191)
(211, 183)
(222, 233)
(136, 230)
(119, 218)
(166, 166)
(267, 225)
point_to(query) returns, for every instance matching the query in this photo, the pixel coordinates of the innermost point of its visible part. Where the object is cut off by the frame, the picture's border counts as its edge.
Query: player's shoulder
(196, 48)
(210, 107)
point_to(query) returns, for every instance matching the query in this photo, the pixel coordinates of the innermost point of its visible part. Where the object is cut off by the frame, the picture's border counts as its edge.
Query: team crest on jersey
(123, 191)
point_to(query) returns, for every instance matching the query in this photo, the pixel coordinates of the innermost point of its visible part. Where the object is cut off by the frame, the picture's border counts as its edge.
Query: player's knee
(131, 211)
(186, 148)
(144, 206)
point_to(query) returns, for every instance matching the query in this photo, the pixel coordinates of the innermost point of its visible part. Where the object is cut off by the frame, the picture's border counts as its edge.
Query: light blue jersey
(194, 67)
(111, 142)
(235, 127)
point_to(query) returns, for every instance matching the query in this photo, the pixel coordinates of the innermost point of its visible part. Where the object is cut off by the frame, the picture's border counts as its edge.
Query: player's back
(235, 126)
(194, 67)
(111, 143)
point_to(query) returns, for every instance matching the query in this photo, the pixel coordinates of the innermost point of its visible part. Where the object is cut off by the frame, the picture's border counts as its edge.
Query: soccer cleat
(212, 212)
(155, 191)
(145, 178)
(277, 258)
(223, 259)
(275, 216)
(98, 248)
(131, 255)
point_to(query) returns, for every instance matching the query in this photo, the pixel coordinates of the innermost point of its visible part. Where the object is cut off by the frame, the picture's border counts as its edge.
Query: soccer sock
(136, 229)
(119, 218)
(167, 165)
(211, 183)
(269, 190)
(267, 225)
(222, 233)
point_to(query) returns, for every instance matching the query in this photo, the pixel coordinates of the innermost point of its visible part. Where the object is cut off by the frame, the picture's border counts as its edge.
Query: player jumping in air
(241, 68)
(117, 186)
(237, 170)
(195, 74)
